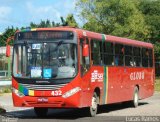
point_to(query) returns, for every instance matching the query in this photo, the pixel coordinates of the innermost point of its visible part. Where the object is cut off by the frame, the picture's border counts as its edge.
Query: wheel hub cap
(94, 103)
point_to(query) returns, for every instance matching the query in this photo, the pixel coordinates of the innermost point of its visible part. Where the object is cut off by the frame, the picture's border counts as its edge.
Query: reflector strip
(104, 86)
(106, 100)
(31, 93)
(33, 29)
(20, 88)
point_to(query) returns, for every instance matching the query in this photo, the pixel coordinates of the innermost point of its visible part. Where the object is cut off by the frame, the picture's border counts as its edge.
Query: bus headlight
(71, 92)
(18, 93)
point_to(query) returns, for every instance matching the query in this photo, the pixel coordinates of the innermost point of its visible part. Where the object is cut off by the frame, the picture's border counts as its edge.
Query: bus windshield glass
(45, 60)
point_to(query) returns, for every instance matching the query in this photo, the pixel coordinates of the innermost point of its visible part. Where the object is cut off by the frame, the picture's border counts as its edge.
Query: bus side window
(145, 57)
(128, 56)
(84, 60)
(137, 56)
(119, 55)
(150, 58)
(95, 52)
(108, 53)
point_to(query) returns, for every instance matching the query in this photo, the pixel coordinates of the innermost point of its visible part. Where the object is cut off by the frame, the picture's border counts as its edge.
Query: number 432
(56, 93)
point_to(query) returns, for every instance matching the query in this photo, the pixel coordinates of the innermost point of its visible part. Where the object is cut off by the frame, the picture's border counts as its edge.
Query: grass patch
(157, 84)
(6, 89)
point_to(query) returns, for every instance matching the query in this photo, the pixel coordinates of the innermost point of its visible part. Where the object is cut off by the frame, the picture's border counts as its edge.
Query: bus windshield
(46, 60)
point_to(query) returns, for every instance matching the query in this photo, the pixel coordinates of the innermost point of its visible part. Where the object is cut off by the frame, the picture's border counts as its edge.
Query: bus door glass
(84, 57)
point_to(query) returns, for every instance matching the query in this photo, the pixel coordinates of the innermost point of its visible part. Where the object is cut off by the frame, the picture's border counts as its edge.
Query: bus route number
(56, 93)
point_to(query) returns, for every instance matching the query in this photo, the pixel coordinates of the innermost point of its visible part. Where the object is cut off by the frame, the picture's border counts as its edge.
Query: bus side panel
(143, 78)
(85, 98)
(117, 91)
(122, 81)
(92, 80)
(146, 88)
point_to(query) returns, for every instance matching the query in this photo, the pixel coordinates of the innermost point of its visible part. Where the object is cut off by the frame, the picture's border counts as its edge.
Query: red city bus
(66, 67)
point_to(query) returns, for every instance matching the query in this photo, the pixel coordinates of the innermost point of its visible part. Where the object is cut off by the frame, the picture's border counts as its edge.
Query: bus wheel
(94, 105)
(41, 112)
(135, 97)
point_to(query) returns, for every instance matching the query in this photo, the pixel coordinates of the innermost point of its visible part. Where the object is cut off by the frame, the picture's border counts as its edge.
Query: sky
(18, 13)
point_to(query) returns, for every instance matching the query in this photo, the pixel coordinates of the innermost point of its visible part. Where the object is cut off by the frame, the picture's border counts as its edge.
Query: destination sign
(41, 35)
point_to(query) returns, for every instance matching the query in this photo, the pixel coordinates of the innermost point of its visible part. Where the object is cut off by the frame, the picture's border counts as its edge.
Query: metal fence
(3, 74)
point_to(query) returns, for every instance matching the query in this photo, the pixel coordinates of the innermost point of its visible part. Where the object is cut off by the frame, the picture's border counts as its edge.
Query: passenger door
(85, 73)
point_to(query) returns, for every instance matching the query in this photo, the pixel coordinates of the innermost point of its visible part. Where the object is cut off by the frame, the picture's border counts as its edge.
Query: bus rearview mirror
(8, 51)
(85, 50)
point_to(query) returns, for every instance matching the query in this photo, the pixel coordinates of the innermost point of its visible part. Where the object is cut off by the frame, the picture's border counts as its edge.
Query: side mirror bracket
(8, 48)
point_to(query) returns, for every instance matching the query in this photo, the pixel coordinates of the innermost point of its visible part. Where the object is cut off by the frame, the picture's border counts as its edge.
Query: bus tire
(135, 97)
(41, 112)
(94, 105)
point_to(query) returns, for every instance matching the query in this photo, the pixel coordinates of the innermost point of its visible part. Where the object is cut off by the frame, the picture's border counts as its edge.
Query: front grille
(43, 87)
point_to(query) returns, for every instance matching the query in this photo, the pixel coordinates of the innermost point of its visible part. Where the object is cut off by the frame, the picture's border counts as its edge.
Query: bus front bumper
(50, 102)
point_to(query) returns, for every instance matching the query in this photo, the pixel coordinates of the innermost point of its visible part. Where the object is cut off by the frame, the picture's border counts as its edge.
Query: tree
(8, 33)
(71, 21)
(151, 11)
(115, 17)
(48, 23)
(33, 25)
(43, 24)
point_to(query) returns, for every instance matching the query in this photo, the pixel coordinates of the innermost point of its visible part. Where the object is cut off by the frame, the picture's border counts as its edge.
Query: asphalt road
(148, 111)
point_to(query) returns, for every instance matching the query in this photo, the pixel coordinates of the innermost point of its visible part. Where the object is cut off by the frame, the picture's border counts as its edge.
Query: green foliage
(135, 19)
(71, 21)
(8, 33)
(43, 24)
(157, 85)
(115, 17)
(157, 49)
(151, 11)
(6, 89)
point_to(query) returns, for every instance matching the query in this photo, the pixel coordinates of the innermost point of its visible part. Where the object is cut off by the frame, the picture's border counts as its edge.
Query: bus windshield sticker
(36, 72)
(36, 46)
(47, 73)
(18, 75)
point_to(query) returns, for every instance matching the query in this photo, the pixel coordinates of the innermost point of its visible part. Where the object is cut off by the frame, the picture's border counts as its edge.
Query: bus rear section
(125, 68)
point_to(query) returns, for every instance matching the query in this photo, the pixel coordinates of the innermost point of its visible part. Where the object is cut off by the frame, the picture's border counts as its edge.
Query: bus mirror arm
(8, 48)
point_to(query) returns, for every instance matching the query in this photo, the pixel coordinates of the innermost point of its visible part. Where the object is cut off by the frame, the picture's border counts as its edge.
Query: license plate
(42, 100)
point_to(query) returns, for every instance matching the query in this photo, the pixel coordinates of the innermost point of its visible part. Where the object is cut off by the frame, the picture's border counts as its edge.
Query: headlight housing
(71, 92)
(18, 93)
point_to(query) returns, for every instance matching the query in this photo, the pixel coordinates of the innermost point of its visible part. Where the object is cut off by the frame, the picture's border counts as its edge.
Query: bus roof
(116, 39)
(129, 41)
(98, 36)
